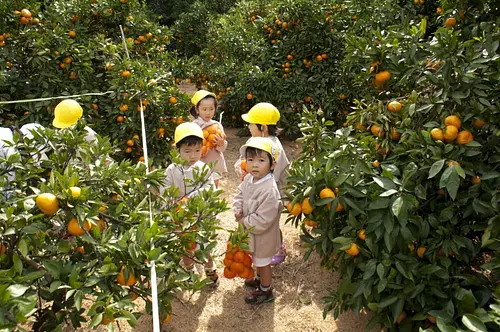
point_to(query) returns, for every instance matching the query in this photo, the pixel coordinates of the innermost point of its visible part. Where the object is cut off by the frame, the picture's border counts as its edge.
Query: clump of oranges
(209, 134)
(237, 263)
(452, 131)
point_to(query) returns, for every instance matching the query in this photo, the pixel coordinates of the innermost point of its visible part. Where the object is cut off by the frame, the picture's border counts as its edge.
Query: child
(263, 119)
(257, 206)
(203, 110)
(188, 140)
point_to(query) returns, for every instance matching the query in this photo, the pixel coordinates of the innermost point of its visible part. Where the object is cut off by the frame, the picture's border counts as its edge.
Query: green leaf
(400, 209)
(17, 290)
(385, 183)
(473, 323)
(436, 168)
(387, 302)
(420, 191)
(23, 247)
(388, 193)
(451, 181)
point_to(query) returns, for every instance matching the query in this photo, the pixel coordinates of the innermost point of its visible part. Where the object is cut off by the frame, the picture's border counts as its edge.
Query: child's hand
(238, 214)
(243, 174)
(219, 140)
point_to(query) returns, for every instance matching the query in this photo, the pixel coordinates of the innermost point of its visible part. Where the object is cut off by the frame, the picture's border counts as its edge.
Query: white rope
(154, 285)
(57, 97)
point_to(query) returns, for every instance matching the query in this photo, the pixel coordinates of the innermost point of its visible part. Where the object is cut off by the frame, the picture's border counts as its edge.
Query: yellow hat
(199, 95)
(262, 113)
(67, 113)
(261, 143)
(187, 129)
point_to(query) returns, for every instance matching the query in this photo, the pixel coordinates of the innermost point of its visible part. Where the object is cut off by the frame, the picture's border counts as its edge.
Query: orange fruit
(120, 278)
(244, 165)
(247, 261)
(130, 143)
(3, 249)
(120, 119)
(26, 13)
(439, 10)
(319, 58)
(228, 273)
(227, 262)
(401, 317)
(212, 129)
(437, 134)
(353, 250)
(395, 135)
(205, 133)
(464, 137)
(80, 249)
(450, 133)
(123, 108)
(125, 73)
(289, 57)
(249, 96)
(75, 191)
(307, 99)
(450, 22)
(421, 251)
(204, 150)
(72, 34)
(237, 268)
(453, 120)
(324, 56)
(478, 123)
(239, 257)
(326, 193)
(95, 107)
(394, 106)
(310, 223)
(75, 229)
(172, 100)
(339, 208)
(361, 234)
(360, 126)
(383, 76)
(476, 179)
(295, 210)
(47, 203)
(377, 131)
(306, 206)
(376, 164)
(128, 150)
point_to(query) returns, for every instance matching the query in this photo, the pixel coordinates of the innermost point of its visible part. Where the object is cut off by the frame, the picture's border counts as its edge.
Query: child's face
(190, 153)
(255, 132)
(206, 109)
(258, 165)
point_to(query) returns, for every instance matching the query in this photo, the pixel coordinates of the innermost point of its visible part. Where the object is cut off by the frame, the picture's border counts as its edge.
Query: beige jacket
(261, 207)
(280, 172)
(181, 177)
(214, 155)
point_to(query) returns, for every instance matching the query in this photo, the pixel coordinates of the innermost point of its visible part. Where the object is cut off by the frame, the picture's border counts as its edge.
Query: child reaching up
(188, 140)
(214, 144)
(257, 207)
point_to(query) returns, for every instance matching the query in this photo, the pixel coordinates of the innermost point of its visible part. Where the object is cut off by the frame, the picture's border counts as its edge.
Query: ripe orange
(326, 193)
(244, 165)
(439, 10)
(3, 249)
(478, 123)
(394, 106)
(464, 137)
(453, 120)
(306, 206)
(161, 132)
(401, 317)
(421, 251)
(377, 131)
(437, 134)
(319, 58)
(383, 76)
(128, 150)
(73, 75)
(120, 119)
(62, 66)
(249, 96)
(247, 261)
(376, 164)
(67, 60)
(72, 34)
(125, 73)
(339, 208)
(450, 133)
(80, 249)
(342, 96)
(172, 100)
(75, 191)
(95, 107)
(360, 126)
(120, 278)
(310, 223)
(395, 135)
(237, 268)
(476, 179)
(228, 273)
(361, 234)
(123, 108)
(26, 13)
(75, 229)
(289, 57)
(239, 257)
(228, 262)
(295, 210)
(47, 203)
(450, 22)
(130, 143)
(307, 99)
(353, 250)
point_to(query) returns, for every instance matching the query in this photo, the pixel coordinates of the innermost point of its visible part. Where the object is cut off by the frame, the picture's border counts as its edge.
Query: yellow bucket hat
(199, 95)
(187, 129)
(262, 113)
(261, 143)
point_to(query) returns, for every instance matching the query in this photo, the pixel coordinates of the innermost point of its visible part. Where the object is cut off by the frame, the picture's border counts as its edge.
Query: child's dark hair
(273, 130)
(189, 141)
(192, 110)
(253, 152)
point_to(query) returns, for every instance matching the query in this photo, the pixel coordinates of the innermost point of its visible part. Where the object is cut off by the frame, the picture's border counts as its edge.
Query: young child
(203, 110)
(257, 206)
(189, 141)
(262, 121)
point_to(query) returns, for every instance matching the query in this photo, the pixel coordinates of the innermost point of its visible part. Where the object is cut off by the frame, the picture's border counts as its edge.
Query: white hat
(27, 129)
(5, 137)
(91, 135)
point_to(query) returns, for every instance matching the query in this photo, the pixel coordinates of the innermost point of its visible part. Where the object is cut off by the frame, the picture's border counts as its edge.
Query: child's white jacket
(181, 177)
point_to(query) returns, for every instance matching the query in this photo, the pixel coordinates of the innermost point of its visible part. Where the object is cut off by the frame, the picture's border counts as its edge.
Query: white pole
(154, 286)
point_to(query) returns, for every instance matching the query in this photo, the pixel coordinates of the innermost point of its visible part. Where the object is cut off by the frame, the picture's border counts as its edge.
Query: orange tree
(71, 48)
(403, 201)
(75, 235)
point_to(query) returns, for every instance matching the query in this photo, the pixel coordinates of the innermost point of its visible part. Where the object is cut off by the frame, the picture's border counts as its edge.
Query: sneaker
(252, 283)
(280, 256)
(259, 296)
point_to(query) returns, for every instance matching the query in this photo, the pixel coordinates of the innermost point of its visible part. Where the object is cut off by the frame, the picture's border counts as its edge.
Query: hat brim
(246, 118)
(61, 125)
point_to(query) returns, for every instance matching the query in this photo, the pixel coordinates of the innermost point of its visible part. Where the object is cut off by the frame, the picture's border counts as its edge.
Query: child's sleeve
(168, 182)
(238, 200)
(264, 216)
(224, 147)
(281, 171)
